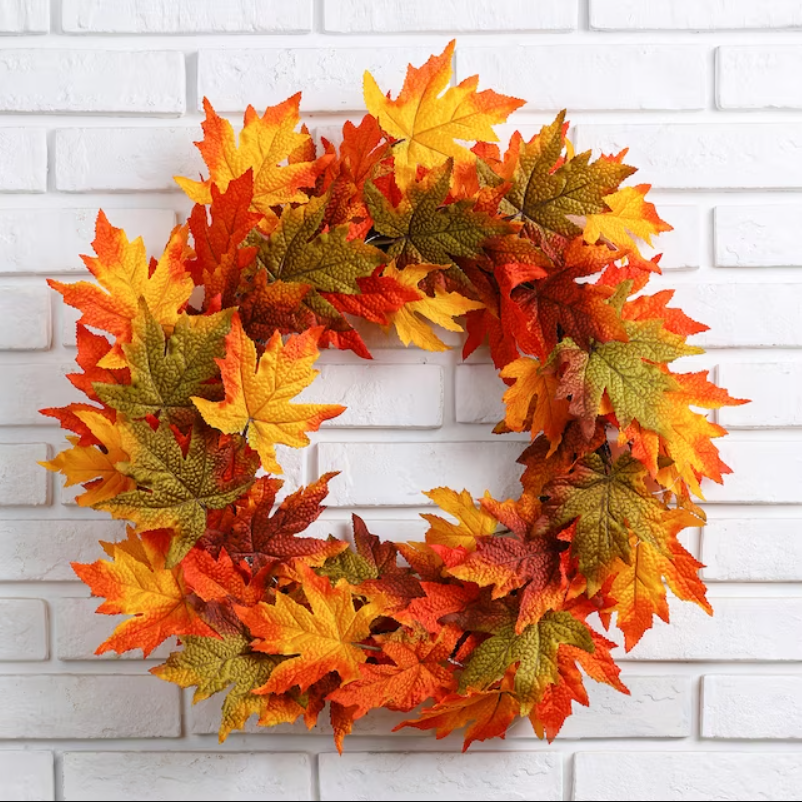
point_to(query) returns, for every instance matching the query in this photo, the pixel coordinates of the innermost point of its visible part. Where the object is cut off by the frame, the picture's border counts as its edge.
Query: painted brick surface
(99, 108)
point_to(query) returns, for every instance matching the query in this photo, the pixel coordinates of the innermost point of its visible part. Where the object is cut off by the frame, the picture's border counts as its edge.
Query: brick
(669, 776)
(438, 775)
(47, 706)
(395, 474)
(23, 160)
(24, 16)
(740, 629)
(69, 319)
(89, 81)
(680, 248)
(595, 77)
(691, 15)
(764, 472)
(752, 707)
(744, 315)
(23, 483)
(24, 316)
(756, 77)
(70, 233)
(774, 390)
(186, 16)
(331, 77)
(27, 776)
(80, 630)
(90, 776)
(421, 16)
(28, 388)
(390, 396)
(23, 629)
(43, 550)
(478, 394)
(752, 549)
(658, 707)
(705, 156)
(758, 236)
(133, 159)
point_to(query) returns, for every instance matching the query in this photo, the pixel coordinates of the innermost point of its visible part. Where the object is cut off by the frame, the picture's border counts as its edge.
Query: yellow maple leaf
(630, 216)
(123, 272)
(323, 638)
(428, 116)
(440, 309)
(473, 521)
(266, 143)
(82, 464)
(258, 394)
(532, 402)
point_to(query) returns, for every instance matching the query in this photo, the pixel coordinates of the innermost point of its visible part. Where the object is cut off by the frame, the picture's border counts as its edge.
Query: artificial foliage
(416, 218)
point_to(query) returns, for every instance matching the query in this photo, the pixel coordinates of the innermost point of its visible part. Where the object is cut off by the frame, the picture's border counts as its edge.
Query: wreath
(405, 226)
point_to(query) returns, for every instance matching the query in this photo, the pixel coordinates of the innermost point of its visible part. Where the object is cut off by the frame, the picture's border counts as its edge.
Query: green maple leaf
(174, 491)
(424, 230)
(544, 196)
(211, 665)
(165, 373)
(627, 371)
(607, 504)
(535, 649)
(348, 565)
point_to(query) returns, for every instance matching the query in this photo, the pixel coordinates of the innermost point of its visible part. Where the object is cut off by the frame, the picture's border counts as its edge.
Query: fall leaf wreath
(404, 226)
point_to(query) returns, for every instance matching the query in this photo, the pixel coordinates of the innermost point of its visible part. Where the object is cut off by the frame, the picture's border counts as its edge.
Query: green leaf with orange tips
(472, 521)
(92, 466)
(323, 638)
(429, 115)
(629, 215)
(486, 714)
(410, 320)
(176, 490)
(532, 402)
(167, 373)
(211, 665)
(136, 582)
(265, 144)
(628, 372)
(259, 393)
(607, 502)
(123, 273)
(535, 650)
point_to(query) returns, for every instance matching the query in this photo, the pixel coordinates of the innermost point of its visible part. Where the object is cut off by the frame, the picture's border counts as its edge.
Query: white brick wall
(99, 106)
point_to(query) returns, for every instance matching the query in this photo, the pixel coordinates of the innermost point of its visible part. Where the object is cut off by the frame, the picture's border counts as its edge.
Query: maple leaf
(121, 268)
(362, 148)
(323, 637)
(489, 713)
(96, 468)
(220, 579)
(441, 600)
(137, 582)
(532, 401)
(219, 257)
(175, 490)
(415, 674)
(378, 296)
(629, 215)
(167, 373)
(607, 502)
(535, 650)
(263, 535)
(423, 228)
(473, 521)
(545, 195)
(264, 144)
(212, 665)
(258, 393)
(428, 115)
(628, 372)
(441, 308)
